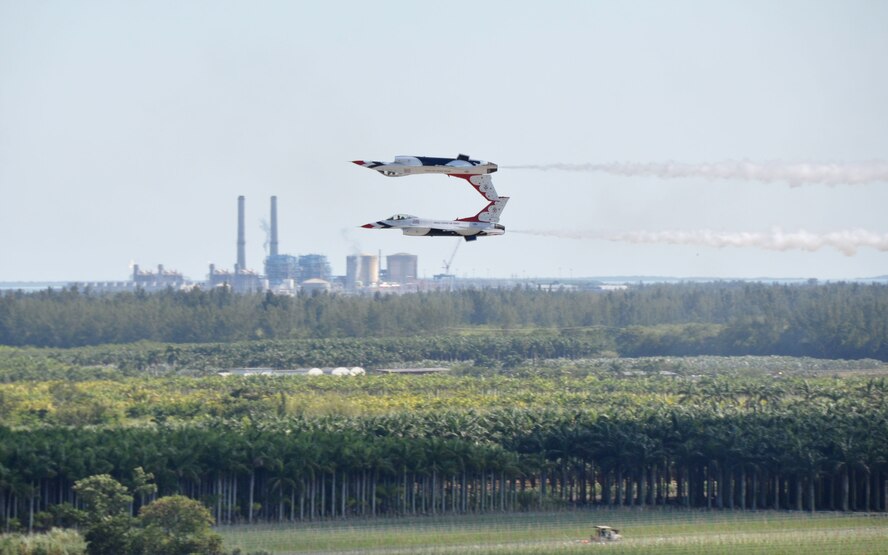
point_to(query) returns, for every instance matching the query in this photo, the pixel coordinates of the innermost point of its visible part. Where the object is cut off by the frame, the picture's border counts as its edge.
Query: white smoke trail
(795, 174)
(847, 241)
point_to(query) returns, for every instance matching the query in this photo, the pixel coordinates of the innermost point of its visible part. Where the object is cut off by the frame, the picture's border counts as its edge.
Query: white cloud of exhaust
(847, 241)
(795, 174)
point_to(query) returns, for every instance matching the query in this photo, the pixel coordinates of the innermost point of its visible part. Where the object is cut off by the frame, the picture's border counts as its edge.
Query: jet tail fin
(371, 164)
(491, 213)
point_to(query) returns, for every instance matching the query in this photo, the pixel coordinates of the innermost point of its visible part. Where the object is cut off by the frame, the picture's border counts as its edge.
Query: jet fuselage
(421, 227)
(415, 165)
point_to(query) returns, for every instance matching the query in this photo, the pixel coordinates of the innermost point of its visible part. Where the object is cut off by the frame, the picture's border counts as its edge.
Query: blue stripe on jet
(430, 161)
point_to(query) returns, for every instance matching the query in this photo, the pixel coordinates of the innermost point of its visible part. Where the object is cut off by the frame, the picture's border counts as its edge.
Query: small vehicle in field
(606, 534)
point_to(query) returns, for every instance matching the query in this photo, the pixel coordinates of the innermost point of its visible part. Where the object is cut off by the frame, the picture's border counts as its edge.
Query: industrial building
(401, 268)
(279, 268)
(241, 280)
(363, 274)
(315, 286)
(361, 270)
(284, 273)
(314, 266)
(161, 279)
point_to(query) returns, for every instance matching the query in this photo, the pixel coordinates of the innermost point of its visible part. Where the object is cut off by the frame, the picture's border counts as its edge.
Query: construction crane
(448, 263)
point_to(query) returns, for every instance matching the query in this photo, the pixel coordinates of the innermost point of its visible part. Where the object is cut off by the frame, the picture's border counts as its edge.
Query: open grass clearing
(666, 531)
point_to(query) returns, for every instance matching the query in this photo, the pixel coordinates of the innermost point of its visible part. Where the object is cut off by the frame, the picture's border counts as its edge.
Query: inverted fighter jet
(482, 224)
(475, 172)
(412, 165)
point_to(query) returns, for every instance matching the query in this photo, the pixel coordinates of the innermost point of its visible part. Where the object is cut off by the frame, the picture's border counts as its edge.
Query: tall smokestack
(274, 226)
(241, 242)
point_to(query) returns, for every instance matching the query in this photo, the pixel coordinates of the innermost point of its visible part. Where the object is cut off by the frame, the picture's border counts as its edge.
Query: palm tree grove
(728, 396)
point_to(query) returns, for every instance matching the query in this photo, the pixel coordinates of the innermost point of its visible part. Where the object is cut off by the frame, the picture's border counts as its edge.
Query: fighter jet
(475, 172)
(412, 165)
(482, 224)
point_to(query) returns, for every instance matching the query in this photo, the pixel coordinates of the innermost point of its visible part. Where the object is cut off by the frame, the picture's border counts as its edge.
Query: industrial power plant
(283, 273)
(288, 274)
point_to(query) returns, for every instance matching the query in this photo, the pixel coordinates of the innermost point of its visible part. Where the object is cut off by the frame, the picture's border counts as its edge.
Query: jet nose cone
(359, 162)
(368, 226)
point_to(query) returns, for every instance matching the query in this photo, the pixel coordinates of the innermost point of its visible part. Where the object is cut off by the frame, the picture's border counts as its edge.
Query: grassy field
(665, 531)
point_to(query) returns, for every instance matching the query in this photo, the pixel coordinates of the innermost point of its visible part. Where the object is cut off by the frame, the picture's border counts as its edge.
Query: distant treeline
(138, 359)
(735, 318)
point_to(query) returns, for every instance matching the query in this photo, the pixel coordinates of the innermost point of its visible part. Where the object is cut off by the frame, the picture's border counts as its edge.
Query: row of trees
(708, 444)
(140, 359)
(832, 320)
(174, 525)
(599, 383)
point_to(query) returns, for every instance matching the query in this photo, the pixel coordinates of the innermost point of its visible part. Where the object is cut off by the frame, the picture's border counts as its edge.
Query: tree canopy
(270, 449)
(838, 320)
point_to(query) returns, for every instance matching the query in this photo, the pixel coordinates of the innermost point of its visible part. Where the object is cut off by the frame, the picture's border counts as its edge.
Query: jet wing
(481, 183)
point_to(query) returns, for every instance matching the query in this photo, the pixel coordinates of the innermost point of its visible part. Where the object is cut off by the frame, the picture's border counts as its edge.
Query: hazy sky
(128, 129)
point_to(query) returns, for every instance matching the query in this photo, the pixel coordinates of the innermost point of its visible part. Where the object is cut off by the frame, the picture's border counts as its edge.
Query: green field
(663, 531)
